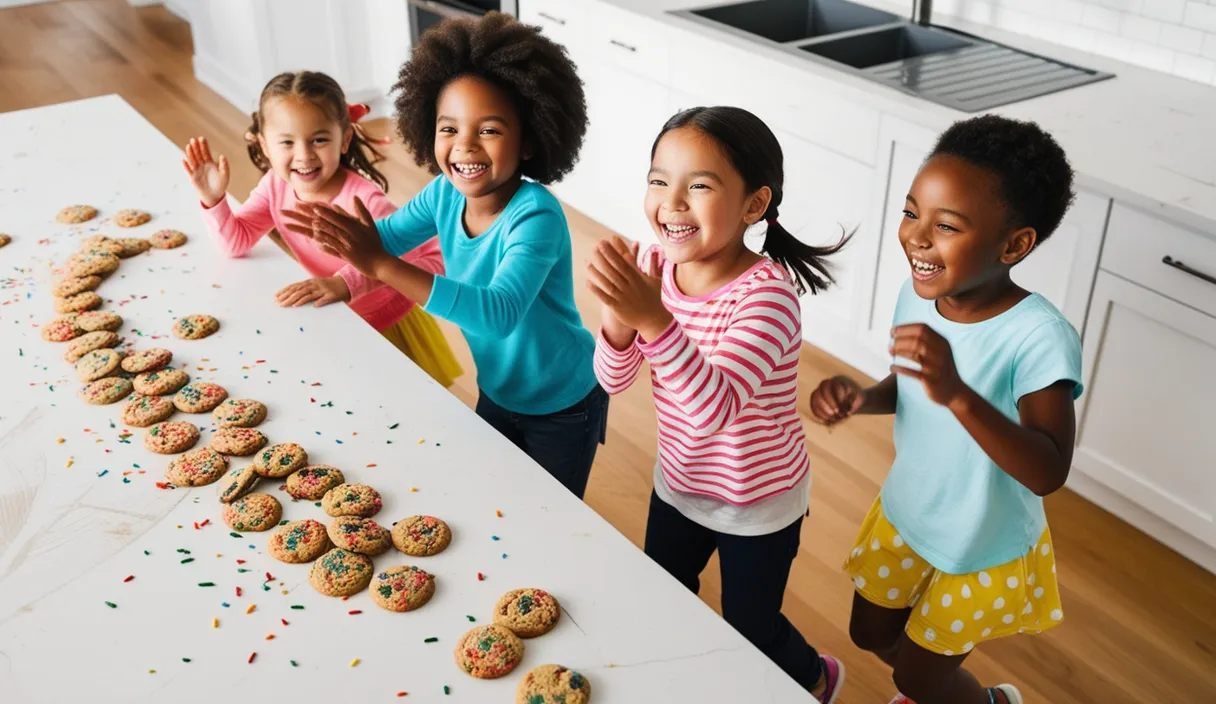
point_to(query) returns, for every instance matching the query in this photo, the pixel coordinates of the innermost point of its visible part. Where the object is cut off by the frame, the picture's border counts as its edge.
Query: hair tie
(357, 112)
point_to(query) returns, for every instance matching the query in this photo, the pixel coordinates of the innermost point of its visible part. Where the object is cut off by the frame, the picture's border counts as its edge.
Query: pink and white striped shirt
(725, 377)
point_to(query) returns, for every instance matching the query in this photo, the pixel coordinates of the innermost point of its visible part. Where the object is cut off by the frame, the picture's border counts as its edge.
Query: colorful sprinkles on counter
(251, 609)
(206, 584)
(128, 579)
(251, 657)
(432, 639)
(112, 605)
(354, 663)
(293, 663)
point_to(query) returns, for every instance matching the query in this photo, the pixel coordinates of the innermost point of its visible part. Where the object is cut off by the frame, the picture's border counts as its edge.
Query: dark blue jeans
(564, 442)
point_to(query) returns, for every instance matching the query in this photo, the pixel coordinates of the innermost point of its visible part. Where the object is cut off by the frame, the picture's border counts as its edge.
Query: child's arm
(838, 398)
(236, 233)
(380, 207)
(1036, 450)
(616, 369)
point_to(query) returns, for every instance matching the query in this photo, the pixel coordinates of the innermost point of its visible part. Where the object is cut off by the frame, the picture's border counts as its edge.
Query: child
(303, 139)
(497, 110)
(721, 328)
(956, 549)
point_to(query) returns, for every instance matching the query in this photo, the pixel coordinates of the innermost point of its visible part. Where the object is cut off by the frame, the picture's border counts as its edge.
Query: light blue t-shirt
(949, 501)
(511, 292)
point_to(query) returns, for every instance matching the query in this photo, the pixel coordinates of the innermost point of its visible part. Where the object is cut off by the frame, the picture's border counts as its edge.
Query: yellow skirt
(418, 336)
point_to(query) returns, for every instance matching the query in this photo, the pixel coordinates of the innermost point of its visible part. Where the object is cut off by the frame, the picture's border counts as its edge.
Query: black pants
(755, 570)
(564, 443)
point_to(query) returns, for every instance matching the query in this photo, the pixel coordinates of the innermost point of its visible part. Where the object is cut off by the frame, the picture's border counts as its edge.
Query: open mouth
(925, 271)
(678, 233)
(307, 174)
(470, 171)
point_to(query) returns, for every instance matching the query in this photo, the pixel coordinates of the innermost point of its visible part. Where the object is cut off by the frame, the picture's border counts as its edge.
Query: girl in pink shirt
(721, 328)
(303, 139)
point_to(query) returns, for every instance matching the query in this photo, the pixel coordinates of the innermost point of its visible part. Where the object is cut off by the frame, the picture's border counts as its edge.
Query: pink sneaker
(833, 675)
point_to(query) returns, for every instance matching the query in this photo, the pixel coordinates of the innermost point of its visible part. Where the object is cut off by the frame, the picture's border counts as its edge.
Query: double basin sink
(944, 66)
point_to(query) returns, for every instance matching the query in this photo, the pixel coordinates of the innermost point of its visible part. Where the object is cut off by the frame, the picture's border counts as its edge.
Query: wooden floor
(1141, 621)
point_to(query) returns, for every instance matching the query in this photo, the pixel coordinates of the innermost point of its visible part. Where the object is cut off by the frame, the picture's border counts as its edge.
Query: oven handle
(443, 9)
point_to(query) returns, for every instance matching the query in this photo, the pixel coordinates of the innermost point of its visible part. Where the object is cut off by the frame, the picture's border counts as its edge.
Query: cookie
(553, 684)
(195, 327)
(148, 360)
(421, 536)
(312, 482)
(131, 246)
(161, 382)
(237, 483)
(299, 541)
(76, 214)
(72, 285)
(98, 364)
(5, 239)
(92, 262)
(402, 588)
(99, 320)
(253, 512)
(88, 342)
(100, 242)
(361, 535)
(199, 397)
(62, 329)
(340, 573)
(352, 500)
(171, 437)
(198, 467)
(130, 217)
(87, 300)
(527, 612)
(489, 652)
(104, 391)
(277, 461)
(239, 413)
(142, 411)
(167, 239)
(241, 442)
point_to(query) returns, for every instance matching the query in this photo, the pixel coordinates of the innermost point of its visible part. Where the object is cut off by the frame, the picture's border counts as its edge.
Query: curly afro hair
(534, 72)
(1034, 177)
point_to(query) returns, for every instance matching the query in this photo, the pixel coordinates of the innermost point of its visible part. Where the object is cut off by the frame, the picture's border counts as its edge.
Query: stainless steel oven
(425, 14)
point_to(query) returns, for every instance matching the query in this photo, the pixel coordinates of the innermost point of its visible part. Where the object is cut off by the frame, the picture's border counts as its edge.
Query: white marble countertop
(1144, 137)
(80, 511)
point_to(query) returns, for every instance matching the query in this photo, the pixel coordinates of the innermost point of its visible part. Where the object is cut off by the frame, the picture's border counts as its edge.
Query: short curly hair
(534, 71)
(1034, 177)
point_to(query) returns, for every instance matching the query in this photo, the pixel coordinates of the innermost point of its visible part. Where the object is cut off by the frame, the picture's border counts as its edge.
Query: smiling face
(304, 145)
(478, 137)
(697, 201)
(955, 229)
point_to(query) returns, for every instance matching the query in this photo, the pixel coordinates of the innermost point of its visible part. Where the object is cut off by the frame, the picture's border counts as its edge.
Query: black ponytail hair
(753, 149)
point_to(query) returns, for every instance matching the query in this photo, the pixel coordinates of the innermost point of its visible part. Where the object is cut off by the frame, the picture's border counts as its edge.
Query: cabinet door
(1146, 425)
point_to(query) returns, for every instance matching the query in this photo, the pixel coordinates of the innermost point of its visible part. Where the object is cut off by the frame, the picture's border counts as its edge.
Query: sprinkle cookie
(167, 239)
(237, 483)
(131, 246)
(5, 239)
(72, 285)
(92, 262)
(312, 482)
(402, 588)
(62, 329)
(340, 573)
(130, 217)
(299, 541)
(352, 500)
(142, 411)
(361, 535)
(489, 652)
(240, 442)
(254, 512)
(198, 467)
(527, 612)
(195, 327)
(105, 391)
(239, 413)
(171, 437)
(76, 214)
(81, 301)
(161, 382)
(148, 360)
(199, 397)
(421, 536)
(100, 242)
(553, 684)
(98, 364)
(277, 461)
(87, 343)
(99, 320)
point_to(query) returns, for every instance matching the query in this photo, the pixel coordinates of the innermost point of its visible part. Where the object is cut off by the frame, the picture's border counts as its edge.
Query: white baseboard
(19, 3)
(213, 75)
(144, 3)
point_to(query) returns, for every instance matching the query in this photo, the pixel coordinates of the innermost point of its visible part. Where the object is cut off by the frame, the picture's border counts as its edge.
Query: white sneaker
(1011, 693)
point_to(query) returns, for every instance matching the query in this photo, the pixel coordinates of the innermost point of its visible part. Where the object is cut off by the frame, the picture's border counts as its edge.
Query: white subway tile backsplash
(1165, 10)
(1209, 47)
(1140, 29)
(1201, 16)
(1101, 19)
(1153, 57)
(1183, 40)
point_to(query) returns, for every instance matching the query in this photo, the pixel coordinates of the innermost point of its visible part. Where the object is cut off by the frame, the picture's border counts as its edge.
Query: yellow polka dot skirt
(419, 337)
(952, 613)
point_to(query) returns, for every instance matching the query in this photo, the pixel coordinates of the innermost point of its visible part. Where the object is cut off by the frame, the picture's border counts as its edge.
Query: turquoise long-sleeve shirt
(510, 290)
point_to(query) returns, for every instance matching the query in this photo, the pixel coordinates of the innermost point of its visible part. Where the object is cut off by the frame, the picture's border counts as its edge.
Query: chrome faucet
(921, 12)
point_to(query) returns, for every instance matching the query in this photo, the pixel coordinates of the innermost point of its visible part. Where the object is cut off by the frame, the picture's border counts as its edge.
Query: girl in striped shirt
(721, 328)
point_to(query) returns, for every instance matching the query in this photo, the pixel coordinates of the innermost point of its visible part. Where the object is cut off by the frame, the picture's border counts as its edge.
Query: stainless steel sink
(940, 65)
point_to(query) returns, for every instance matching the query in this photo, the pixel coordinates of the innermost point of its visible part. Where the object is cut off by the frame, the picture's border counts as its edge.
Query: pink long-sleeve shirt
(725, 376)
(237, 233)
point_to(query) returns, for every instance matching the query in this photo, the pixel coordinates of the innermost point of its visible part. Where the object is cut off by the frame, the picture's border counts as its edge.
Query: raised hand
(353, 238)
(919, 343)
(320, 291)
(632, 296)
(836, 399)
(209, 177)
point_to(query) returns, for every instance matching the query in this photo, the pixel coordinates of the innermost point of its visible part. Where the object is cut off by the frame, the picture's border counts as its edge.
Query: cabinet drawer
(1137, 248)
(630, 41)
(557, 19)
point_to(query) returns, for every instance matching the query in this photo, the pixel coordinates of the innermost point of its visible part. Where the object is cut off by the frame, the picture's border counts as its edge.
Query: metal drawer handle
(551, 18)
(1170, 261)
(622, 45)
